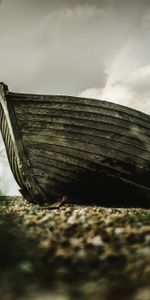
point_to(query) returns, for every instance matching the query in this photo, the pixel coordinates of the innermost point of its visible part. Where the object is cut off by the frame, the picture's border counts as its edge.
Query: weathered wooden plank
(48, 115)
(47, 176)
(75, 119)
(102, 130)
(70, 161)
(85, 186)
(49, 168)
(126, 141)
(54, 189)
(100, 162)
(77, 100)
(48, 109)
(117, 144)
(88, 147)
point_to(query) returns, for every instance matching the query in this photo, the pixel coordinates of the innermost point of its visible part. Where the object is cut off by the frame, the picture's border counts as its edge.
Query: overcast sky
(97, 49)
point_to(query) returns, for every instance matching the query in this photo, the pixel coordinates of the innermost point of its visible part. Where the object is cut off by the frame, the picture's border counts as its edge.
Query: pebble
(96, 241)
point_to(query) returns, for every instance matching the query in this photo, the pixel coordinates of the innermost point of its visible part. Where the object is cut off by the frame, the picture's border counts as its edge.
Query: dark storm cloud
(55, 43)
(63, 46)
(67, 42)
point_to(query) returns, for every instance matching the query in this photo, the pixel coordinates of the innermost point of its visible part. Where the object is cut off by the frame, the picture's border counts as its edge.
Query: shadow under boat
(85, 149)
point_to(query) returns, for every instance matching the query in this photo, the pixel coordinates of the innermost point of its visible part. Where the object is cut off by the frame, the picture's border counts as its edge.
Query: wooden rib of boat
(65, 145)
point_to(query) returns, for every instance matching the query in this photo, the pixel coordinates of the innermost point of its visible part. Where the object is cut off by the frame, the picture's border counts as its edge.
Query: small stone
(81, 253)
(143, 294)
(72, 220)
(96, 241)
(144, 251)
(147, 239)
(44, 245)
(119, 230)
(26, 266)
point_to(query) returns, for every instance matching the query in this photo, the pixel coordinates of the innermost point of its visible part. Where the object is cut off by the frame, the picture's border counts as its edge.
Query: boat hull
(74, 146)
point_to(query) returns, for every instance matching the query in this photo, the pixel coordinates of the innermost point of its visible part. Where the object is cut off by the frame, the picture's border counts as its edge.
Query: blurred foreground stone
(73, 252)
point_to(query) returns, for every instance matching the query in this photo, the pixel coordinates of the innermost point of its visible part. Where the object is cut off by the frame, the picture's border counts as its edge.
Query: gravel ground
(73, 252)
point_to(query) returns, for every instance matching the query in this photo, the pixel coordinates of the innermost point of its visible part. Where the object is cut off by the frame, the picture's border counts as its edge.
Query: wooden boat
(65, 145)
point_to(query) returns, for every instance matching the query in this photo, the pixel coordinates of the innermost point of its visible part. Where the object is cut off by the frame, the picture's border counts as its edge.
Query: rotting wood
(51, 108)
(58, 136)
(70, 141)
(32, 98)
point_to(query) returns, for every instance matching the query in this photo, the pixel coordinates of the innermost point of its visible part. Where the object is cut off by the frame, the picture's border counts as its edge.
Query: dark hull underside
(68, 146)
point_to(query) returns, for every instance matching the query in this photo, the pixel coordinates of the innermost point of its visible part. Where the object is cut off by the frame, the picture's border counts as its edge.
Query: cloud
(50, 52)
(128, 74)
